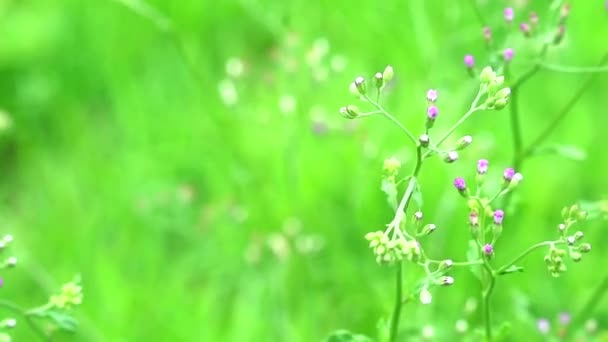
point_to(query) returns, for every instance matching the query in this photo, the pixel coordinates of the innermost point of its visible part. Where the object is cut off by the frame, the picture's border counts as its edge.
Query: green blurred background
(188, 160)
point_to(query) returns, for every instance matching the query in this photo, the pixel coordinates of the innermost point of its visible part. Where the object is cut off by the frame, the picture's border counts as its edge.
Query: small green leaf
(62, 319)
(567, 151)
(473, 254)
(512, 269)
(346, 336)
(389, 188)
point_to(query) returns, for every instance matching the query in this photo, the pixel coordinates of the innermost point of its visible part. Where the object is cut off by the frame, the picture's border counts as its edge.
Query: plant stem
(526, 252)
(392, 118)
(486, 294)
(592, 302)
(28, 318)
(398, 304)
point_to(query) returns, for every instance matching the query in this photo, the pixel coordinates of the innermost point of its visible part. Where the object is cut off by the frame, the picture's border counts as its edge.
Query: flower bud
(451, 157)
(391, 166)
(517, 178)
(463, 142)
(360, 84)
(350, 112)
(469, 61)
(445, 281)
(509, 14)
(424, 140)
(352, 88)
(461, 186)
(11, 262)
(445, 265)
(432, 112)
(508, 54)
(503, 93)
(533, 19)
(418, 216)
(508, 174)
(488, 249)
(425, 296)
(428, 229)
(379, 79)
(431, 95)
(487, 34)
(487, 75)
(498, 217)
(500, 104)
(388, 73)
(578, 235)
(482, 166)
(575, 256)
(525, 29)
(584, 248)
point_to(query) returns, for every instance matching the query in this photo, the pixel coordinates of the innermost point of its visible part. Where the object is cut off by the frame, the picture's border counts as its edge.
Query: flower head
(487, 33)
(469, 61)
(482, 166)
(525, 29)
(498, 216)
(488, 249)
(460, 184)
(543, 326)
(509, 14)
(508, 174)
(473, 219)
(533, 18)
(431, 95)
(432, 112)
(508, 54)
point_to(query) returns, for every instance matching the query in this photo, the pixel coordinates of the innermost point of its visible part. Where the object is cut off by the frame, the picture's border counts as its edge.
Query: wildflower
(469, 61)
(543, 326)
(508, 174)
(482, 166)
(487, 33)
(509, 14)
(473, 219)
(488, 249)
(431, 95)
(460, 184)
(498, 216)
(432, 112)
(525, 29)
(508, 54)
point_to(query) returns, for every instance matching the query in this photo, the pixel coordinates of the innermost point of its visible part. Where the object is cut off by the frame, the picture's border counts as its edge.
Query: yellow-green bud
(388, 73)
(487, 75)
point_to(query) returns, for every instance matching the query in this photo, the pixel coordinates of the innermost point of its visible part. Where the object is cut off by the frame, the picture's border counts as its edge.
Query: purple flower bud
(508, 174)
(460, 184)
(469, 61)
(533, 18)
(509, 14)
(498, 216)
(543, 326)
(525, 29)
(1, 282)
(432, 112)
(488, 249)
(482, 166)
(508, 54)
(487, 33)
(431, 95)
(473, 219)
(565, 318)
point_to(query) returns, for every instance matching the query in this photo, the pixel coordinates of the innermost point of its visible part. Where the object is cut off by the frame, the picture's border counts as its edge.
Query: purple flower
(508, 174)
(431, 95)
(432, 112)
(488, 249)
(565, 318)
(509, 14)
(487, 33)
(508, 54)
(469, 61)
(525, 29)
(543, 326)
(460, 184)
(482, 166)
(498, 216)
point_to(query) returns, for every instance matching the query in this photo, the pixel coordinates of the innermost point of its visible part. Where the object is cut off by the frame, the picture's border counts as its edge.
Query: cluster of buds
(389, 251)
(391, 168)
(359, 89)
(497, 95)
(71, 295)
(571, 215)
(555, 262)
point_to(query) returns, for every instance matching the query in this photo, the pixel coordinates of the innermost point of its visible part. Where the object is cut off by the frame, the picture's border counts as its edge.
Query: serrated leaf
(473, 254)
(512, 269)
(567, 151)
(346, 336)
(390, 189)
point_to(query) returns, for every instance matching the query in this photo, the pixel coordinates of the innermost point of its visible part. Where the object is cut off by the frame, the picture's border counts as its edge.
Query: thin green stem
(562, 113)
(592, 302)
(526, 252)
(26, 315)
(487, 312)
(573, 69)
(391, 118)
(398, 304)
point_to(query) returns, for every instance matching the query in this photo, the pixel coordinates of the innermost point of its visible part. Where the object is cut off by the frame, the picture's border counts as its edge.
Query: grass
(184, 215)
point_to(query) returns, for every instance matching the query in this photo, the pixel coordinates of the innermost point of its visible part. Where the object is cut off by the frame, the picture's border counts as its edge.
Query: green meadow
(187, 159)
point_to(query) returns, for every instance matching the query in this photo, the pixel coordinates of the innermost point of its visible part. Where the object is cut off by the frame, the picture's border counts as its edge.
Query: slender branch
(573, 69)
(28, 318)
(398, 304)
(526, 252)
(392, 118)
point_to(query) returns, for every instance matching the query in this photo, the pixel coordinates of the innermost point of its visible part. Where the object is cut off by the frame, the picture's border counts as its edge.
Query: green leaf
(512, 269)
(389, 188)
(346, 336)
(62, 319)
(473, 254)
(567, 151)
